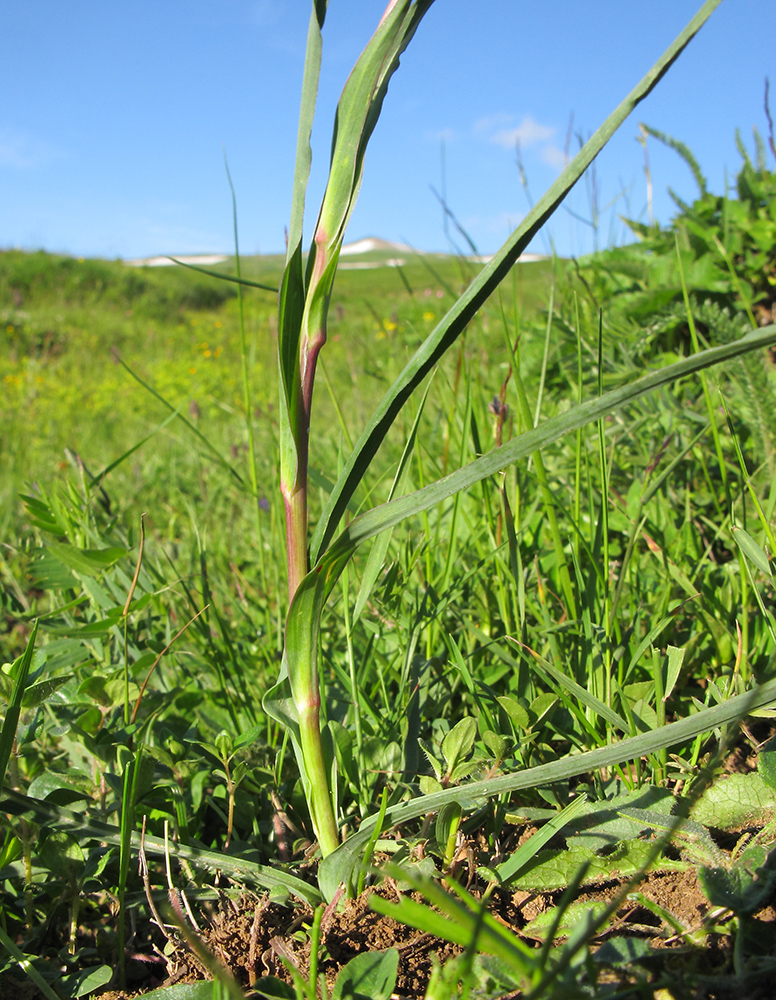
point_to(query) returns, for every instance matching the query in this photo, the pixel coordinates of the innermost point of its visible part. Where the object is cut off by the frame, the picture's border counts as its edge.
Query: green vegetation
(549, 573)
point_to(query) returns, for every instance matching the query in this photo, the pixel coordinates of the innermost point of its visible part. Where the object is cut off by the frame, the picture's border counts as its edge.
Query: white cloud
(20, 151)
(527, 133)
(485, 125)
(553, 156)
(502, 130)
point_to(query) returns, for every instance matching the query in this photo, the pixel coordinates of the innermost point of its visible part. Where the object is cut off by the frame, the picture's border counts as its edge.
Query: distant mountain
(371, 243)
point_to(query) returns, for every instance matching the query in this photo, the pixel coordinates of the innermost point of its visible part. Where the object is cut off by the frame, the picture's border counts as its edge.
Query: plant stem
(295, 501)
(320, 796)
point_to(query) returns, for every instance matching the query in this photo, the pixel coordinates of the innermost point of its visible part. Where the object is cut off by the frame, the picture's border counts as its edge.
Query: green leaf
(555, 869)
(41, 516)
(736, 801)
(585, 697)
(455, 322)
(26, 965)
(202, 990)
(511, 868)
(380, 547)
(459, 742)
(81, 984)
(87, 562)
(518, 715)
(304, 614)
(61, 854)
(753, 552)
(675, 658)
(572, 917)
(58, 817)
(49, 573)
(744, 887)
(92, 628)
(11, 721)
(446, 831)
(336, 868)
(766, 763)
(369, 976)
(358, 110)
(62, 789)
(312, 70)
(464, 920)
(603, 824)
(272, 988)
(623, 951)
(36, 694)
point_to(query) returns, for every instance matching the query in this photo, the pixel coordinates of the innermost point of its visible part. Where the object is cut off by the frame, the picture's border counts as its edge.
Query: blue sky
(115, 115)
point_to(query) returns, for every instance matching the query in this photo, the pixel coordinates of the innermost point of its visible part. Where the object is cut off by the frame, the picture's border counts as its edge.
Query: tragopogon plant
(315, 563)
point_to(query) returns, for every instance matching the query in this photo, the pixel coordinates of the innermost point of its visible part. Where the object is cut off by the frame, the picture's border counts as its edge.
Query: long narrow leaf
(312, 72)
(237, 279)
(59, 817)
(197, 433)
(339, 866)
(8, 734)
(459, 316)
(303, 624)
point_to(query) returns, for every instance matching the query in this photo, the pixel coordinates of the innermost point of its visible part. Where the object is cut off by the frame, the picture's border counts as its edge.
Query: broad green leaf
(673, 668)
(518, 715)
(570, 919)
(744, 887)
(62, 789)
(551, 870)
(272, 988)
(459, 742)
(766, 763)
(622, 951)
(460, 315)
(61, 854)
(81, 984)
(603, 823)
(695, 840)
(735, 801)
(202, 990)
(369, 976)
(36, 694)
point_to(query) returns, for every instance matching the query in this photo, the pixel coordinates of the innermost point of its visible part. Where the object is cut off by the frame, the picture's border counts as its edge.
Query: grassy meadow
(542, 691)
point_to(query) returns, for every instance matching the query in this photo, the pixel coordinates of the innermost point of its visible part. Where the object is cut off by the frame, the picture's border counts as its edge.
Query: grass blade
(340, 865)
(59, 817)
(8, 734)
(459, 316)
